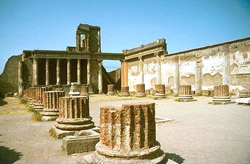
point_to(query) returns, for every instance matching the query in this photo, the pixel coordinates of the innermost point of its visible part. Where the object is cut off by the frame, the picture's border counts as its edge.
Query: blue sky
(185, 24)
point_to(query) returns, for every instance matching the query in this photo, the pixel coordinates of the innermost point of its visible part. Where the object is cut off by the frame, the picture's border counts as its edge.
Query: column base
(82, 141)
(59, 134)
(49, 115)
(185, 98)
(140, 95)
(221, 100)
(149, 156)
(38, 107)
(111, 93)
(159, 96)
(124, 94)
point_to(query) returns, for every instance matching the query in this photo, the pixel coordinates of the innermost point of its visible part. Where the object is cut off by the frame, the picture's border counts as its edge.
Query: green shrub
(23, 101)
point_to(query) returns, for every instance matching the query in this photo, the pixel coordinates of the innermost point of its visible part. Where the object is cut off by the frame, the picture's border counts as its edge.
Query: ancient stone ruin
(185, 93)
(111, 89)
(221, 93)
(140, 90)
(73, 116)
(124, 91)
(51, 105)
(159, 91)
(85, 90)
(128, 135)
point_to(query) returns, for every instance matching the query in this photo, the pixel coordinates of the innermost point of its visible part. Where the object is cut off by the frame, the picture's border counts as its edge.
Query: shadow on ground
(174, 157)
(8, 156)
(2, 102)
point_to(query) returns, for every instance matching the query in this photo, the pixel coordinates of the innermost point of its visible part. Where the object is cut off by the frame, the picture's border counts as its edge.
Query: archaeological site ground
(187, 107)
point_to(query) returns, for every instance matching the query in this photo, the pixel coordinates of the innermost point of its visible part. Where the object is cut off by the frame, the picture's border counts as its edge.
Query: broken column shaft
(51, 105)
(140, 90)
(221, 93)
(111, 89)
(124, 91)
(185, 92)
(160, 91)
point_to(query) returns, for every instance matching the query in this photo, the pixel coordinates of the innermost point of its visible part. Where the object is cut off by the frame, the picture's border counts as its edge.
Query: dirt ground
(200, 133)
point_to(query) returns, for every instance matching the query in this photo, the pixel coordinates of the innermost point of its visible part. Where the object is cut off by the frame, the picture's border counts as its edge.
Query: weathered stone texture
(140, 90)
(111, 89)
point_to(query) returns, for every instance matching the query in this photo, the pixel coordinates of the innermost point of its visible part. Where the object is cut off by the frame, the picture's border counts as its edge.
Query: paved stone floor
(200, 133)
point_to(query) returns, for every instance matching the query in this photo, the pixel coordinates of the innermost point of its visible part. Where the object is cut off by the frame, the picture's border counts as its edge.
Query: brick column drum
(51, 105)
(140, 90)
(185, 92)
(124, 91)
(85, 90)
(160, 91)
(221, 93)
(39, 97)
(73, 116)
(128, 135)
(111, 89)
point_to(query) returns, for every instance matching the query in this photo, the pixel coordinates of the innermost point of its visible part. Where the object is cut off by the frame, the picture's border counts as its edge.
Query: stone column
(89, 75)
(38, 105)
(58, 80)
(124, 91)
(158, 67)
(198, 77)
(20, 78)
(35, 71)
(160, 91)
(130, 128)
(79, 71)
(51, 105)
(141, 70)
(140, 90)
(68, 72)
(73, 116)
(226, 70)
(176, 75)
(47, 72)
(85, 90)
(125, 74)
(221, 93)
(185, 92)
(111, 89)
(100, 76)
(122, 73)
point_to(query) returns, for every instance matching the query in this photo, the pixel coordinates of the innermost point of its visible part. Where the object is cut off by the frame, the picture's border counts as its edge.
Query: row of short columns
(58, 80)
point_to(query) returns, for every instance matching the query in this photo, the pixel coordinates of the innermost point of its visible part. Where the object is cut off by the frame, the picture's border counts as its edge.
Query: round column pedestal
(140, 90)
(124, 91)
(51, 105)
(111, 89)
(128, 136)
(73, 116)
(159, 91)
(185, 93)
(221, 93)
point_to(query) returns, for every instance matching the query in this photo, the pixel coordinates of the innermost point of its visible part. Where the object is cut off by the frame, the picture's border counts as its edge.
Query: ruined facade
(220, 64)
(202, 68)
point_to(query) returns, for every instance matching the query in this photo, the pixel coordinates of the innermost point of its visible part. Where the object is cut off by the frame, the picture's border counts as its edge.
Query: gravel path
(201, 133)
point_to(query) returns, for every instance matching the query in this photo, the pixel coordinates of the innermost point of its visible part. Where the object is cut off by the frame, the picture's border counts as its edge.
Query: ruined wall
(213, 63)
(9, 77)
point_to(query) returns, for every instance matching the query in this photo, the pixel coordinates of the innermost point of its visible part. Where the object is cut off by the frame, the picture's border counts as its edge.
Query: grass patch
(36, 116)
(179, 100)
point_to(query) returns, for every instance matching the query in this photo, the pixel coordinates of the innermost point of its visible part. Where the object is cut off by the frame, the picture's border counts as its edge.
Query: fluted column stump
(185, 93)
(159, 91)
(111, 89)
(140, 90)
(221, 95)
(38, 105)
(128, 135)
(51, 105)
(73, 116)
(85, 90)
(32, 96)
(124, 91)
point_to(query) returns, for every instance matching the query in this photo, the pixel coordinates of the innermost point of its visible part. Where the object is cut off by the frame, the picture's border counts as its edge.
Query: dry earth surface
(200, 133)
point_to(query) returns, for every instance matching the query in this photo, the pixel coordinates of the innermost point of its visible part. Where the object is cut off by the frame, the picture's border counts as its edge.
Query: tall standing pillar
(122, 73)
(141, 70)
(47, 72)
(35, 67)
(176, 75)
(158, 68)
(100, 76)
(79, 71)
(20, 78)
(198, 77)
(68, 72)
(58, 80)
(99, 42)
(89, 75)
(226, 70)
